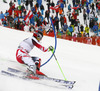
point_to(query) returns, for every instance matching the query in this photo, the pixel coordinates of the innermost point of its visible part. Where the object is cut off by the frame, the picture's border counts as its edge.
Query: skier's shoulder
(34, 40)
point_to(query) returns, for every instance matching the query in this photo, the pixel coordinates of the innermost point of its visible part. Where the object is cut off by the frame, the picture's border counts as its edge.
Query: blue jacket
(33, 9)
(65, 27)
(90, 1)
(1, 16)
(69, 7)
(96, 19)
(62, 5)
(41, 17)
(19, 2)
(70, 29)
(6, 14)
(32, 21)
(39, 2)
(88, 10)
(95, 27)
(15, 19)
(87, 4)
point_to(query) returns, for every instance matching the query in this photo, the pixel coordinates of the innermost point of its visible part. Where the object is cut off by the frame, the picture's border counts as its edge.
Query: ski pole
(60, 67)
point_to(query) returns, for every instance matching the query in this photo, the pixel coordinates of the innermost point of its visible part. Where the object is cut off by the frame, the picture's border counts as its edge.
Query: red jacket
(10, 11)
(65, 20)
(98, 6)
(17, 12)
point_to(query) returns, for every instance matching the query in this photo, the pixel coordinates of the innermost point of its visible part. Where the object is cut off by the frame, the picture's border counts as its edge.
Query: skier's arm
(40, 46)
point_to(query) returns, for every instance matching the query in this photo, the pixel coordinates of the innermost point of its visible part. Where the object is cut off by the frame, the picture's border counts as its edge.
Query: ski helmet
(38, 34)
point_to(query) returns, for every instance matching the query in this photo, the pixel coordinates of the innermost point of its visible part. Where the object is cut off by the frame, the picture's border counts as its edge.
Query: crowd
(67, 24)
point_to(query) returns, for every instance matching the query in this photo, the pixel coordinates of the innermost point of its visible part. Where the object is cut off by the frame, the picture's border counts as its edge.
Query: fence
(93, 40)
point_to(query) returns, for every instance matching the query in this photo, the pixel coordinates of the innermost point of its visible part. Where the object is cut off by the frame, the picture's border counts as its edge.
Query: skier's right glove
(51, 48)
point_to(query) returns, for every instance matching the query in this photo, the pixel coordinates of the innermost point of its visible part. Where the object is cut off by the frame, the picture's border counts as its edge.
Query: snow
(79, 62)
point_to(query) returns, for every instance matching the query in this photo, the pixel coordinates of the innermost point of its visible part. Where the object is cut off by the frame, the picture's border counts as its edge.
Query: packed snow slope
(78, 61)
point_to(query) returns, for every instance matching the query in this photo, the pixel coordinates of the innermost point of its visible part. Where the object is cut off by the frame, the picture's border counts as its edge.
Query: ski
(42, 81)
(43, 77)
(20, 74)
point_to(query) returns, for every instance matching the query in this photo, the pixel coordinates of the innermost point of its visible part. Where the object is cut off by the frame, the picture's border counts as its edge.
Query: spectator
(73, 2)
(56, 23)
(80, 8)
(16, 25)
(77, 1)
(65, 19)
(26, 28)
(90, 1)
(32, 20)
(42, 9)
(98, 6)
(17, 12)
(61, 21)
(69, 7)
(39, 2)
(41, 17)
(70, 28)
(56, 8)
(52, 5)
(48, 5)
(21, 26)
(82, 29)
(91, 16)
(1, 16)
(73, 21)
(39, 23)
(91, 24)
(47, 14)
(65, 27)
(5, 23)
(87, 4)
(95, 28)
(19, 2)
(6, 13)
(88, 11)
(60, 11)
(62, 6)
(29, 2)
(92, 6)
(85, 18)
(10, 3)
(87, 30)
(65, 2)
(9, 19)
(96, 18)
(44, 22)
(23, 10)
(31, 28)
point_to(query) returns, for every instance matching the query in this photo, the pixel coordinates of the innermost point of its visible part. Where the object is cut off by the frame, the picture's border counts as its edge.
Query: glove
(51, 48)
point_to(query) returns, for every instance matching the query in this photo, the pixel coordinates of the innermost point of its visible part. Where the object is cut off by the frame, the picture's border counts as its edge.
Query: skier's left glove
(51, 49)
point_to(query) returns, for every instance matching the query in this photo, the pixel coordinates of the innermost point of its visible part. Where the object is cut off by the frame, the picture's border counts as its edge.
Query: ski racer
(24, 48)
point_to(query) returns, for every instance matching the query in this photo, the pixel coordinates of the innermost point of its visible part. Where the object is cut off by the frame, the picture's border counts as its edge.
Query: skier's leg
(29, 62)
(24, 58)
(37, 61)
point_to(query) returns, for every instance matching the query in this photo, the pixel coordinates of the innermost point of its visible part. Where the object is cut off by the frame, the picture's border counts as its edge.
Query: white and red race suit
(22, 54)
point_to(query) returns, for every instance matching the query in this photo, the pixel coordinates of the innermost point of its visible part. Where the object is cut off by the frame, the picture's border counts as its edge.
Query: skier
(23, 57)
